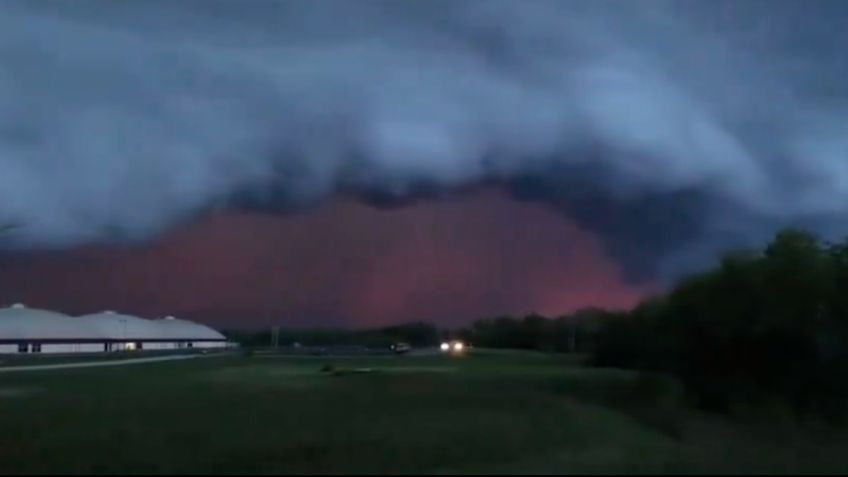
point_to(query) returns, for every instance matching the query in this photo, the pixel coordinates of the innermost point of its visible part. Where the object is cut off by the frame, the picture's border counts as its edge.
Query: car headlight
(458, 346)
(445, 347)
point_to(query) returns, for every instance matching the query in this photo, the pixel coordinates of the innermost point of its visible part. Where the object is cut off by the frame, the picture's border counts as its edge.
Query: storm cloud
(671, 129)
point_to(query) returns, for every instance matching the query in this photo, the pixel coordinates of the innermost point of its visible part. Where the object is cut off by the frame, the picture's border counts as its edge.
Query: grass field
(498, 413)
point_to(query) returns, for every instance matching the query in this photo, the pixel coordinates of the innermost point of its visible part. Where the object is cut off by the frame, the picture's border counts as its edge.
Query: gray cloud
(673, 129)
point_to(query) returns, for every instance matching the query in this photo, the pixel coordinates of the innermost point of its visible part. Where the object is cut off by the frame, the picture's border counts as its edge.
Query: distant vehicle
(453, 347)
(401, 348)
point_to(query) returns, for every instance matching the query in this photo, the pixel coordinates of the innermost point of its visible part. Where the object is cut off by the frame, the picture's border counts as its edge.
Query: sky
(195, 155)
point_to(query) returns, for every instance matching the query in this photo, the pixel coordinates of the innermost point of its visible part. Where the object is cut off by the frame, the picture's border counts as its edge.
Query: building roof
(19, 322)
(109, 324)
(176, 327)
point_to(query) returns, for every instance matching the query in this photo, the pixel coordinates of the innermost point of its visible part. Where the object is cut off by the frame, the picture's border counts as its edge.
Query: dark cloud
(673, 129)
(344, 263)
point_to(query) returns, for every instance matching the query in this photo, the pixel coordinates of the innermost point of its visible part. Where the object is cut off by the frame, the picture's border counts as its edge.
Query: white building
(29, 330)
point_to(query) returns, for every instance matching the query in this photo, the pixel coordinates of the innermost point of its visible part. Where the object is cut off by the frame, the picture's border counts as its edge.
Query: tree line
(574, 333)
(416, 334)
(770, 322)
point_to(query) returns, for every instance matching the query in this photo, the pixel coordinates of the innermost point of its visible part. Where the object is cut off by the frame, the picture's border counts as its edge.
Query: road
(94, 364)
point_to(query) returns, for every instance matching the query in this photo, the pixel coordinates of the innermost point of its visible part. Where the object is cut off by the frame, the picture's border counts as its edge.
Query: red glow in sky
(343, 264)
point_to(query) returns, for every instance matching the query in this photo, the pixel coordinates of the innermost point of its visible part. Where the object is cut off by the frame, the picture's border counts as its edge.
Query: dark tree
(759, 323)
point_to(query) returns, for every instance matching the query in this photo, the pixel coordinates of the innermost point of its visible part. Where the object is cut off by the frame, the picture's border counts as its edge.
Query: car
(453, 347)
(401, 348)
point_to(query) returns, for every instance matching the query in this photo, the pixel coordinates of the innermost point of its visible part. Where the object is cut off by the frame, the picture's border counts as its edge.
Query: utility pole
(275, 337)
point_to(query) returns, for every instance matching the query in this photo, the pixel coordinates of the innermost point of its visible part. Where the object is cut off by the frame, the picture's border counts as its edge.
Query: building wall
(59, 348)
(8, 348)
(72, 348)
(160, 346)
(209, 344)
(100, 347)
(89, 348)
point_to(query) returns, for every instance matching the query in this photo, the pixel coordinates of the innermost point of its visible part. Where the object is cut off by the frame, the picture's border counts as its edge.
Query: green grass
(487, 412)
